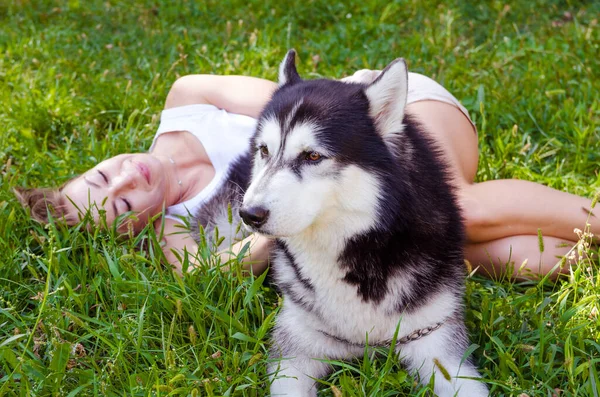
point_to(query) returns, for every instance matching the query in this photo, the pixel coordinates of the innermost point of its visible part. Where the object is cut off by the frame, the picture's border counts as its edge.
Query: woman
(206, 125)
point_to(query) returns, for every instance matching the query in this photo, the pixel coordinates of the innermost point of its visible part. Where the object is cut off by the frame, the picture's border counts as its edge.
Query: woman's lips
(144, 170)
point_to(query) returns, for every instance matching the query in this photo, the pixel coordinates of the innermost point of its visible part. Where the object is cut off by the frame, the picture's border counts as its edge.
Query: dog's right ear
(387, 98)
(287, 69)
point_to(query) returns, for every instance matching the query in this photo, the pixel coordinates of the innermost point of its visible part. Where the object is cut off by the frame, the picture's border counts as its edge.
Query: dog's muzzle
(254, 217)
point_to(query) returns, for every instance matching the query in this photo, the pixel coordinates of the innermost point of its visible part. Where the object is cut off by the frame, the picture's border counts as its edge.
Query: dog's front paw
(291, 381)
(285, 392)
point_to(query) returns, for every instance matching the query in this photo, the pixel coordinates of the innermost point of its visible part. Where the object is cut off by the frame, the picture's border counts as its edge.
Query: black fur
(300, 290)
(291, 261)
(420, 228)
(215, 211)
(290, 290)
(407, 266)
(424, 228)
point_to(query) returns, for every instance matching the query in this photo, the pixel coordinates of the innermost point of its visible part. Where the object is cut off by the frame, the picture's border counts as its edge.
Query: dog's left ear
(287, 69)
(387, 98)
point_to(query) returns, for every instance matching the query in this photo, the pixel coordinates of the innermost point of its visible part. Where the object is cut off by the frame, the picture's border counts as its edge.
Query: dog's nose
(254, 216)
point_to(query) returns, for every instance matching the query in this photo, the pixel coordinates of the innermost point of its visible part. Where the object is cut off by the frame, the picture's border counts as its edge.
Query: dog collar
(418, 334)
(413, 336)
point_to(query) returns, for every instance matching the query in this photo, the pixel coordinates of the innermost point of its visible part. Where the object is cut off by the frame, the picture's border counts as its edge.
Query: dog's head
(319, 152)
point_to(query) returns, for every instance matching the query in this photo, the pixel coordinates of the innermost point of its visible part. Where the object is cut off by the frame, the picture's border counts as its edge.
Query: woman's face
(128, 182)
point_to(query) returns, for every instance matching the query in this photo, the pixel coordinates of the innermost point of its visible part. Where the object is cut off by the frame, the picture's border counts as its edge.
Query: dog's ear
(387, 98)
(287, 69)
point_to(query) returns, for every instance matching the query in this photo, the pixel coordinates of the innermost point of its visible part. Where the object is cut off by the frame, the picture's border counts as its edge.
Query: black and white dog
(368, 233)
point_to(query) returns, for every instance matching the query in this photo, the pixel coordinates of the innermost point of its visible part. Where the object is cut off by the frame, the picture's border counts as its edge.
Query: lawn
(87, 313)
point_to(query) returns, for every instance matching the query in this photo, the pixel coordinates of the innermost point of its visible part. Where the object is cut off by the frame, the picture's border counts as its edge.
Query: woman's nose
(124, 181)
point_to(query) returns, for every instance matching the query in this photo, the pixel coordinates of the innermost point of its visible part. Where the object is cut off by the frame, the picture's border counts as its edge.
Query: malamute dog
(368, 233)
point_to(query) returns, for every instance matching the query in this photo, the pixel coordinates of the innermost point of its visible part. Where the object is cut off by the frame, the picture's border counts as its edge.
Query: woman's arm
(236, 94)
(178, 240)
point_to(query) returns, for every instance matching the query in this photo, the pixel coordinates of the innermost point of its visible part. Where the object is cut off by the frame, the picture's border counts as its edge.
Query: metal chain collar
(413, 336)
(418, 334)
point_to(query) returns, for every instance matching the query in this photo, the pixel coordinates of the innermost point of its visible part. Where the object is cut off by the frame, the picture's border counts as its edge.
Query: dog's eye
(313, 156)
(264, 150)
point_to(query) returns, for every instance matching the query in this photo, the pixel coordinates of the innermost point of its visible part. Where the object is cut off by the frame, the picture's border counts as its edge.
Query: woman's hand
(257, 257)
(363, 76)
(178, 242)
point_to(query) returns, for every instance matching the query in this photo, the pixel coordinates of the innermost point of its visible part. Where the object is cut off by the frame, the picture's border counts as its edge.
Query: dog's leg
(296, 352)
(440, 354)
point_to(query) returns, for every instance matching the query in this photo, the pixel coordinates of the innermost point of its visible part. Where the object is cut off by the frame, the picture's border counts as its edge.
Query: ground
(88, 313)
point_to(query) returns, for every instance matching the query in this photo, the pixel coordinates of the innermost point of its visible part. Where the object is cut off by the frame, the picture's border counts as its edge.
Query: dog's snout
(254, 216)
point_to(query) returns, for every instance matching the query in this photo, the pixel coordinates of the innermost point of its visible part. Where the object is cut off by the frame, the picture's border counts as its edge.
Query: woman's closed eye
(103, 176)
(97, 179)
(127, 204)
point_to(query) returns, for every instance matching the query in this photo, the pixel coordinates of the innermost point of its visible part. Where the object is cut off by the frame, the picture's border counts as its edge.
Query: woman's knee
(475, 216)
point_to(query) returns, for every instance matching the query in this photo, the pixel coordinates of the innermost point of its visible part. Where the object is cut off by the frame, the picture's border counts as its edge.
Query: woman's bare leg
(510, 207)
(519, 255)
(503, 217)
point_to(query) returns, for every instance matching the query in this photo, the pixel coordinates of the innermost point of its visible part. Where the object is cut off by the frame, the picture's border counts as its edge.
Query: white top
(225, 136)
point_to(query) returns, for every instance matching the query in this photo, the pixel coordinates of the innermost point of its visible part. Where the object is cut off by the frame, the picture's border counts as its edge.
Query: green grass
(80, 81)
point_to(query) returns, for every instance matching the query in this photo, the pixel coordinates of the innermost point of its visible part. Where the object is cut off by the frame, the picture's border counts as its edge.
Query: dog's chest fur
(313, 281)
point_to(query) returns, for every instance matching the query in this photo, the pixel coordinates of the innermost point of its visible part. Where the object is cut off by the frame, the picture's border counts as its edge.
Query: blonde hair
(44, 203)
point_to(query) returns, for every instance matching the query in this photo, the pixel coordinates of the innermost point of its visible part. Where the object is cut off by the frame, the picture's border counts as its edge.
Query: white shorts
(422, 88)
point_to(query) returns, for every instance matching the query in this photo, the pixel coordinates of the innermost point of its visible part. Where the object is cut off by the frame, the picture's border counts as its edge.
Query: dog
(368, 236)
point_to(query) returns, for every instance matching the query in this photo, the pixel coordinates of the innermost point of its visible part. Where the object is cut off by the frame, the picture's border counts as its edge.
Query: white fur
(270, 135)
(281, 221)
(315, 215)
(301, 139)
(347, 205)
(419, 357)
(339, 311)
(387, 97)
(291, 114)
(342, 312)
